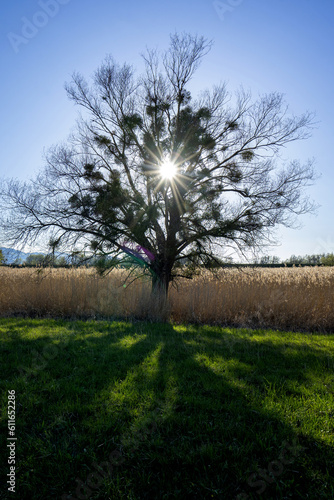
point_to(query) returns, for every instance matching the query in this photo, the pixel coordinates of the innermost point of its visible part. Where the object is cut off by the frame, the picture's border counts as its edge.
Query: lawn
(134, 410)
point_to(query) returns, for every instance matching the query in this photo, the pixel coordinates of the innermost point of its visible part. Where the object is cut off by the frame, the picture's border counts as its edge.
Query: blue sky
(265, 45)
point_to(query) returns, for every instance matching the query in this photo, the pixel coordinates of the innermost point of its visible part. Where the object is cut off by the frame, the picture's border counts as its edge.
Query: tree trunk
(162, 278)
(160, 284)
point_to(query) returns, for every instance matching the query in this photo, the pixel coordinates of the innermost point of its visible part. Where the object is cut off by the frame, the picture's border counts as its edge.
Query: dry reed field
(283, 298)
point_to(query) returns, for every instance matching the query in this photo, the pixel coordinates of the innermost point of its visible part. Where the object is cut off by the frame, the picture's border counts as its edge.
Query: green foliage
(131, 122)
(41, 260)
(299, 260)
(247, 155)
(61, 262)
(232, 125)
(36, 260)
(104, 263)
(327, 260)
(318, 260)
(2, 258)
(234, 173)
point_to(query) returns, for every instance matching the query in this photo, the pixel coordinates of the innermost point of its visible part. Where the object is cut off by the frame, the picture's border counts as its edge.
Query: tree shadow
(184, 427)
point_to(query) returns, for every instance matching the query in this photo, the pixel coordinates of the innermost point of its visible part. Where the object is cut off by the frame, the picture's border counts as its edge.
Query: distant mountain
(12, 255)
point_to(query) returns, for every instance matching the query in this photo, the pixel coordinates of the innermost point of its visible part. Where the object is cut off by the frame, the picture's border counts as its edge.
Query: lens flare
(168, 170)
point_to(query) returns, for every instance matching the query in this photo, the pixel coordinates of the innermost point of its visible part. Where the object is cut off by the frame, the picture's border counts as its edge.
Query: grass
(285, 298)
(190, 412)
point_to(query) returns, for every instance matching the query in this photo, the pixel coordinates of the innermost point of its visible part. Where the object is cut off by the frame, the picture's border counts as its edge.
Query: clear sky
(265, 45)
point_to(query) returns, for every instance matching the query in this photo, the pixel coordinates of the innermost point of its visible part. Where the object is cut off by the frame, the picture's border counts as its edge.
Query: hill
(11, 255)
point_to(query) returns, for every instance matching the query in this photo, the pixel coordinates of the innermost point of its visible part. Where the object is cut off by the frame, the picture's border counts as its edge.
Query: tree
(312, 259)
(2, 258)
(295, 260)
(41, 260)
(327, 260)
(61, 262)
(37, 260)
(161, 177)
(269, 259)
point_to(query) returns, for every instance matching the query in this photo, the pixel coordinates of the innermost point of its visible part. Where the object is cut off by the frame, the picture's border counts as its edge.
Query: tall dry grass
(76, 293)
(285, 298)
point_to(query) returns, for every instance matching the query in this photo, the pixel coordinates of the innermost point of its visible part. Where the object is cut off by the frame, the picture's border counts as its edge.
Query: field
(225, 391)
(141, 410)
(283, 298)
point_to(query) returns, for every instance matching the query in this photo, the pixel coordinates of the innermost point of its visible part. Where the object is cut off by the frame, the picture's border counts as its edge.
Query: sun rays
(168, 170)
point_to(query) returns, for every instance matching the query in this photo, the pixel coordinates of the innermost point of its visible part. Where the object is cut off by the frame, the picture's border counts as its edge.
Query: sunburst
(168, 170)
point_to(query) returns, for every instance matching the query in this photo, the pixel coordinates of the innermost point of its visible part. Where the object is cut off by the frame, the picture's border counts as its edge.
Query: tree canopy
(160, 176)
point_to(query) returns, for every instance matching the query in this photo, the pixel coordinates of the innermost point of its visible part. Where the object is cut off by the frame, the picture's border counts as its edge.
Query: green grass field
(166, 411)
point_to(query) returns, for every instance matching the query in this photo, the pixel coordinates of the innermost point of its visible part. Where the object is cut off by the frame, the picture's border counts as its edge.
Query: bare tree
(160, 176)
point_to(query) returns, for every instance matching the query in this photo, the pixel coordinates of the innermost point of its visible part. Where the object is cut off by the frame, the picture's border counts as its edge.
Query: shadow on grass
(182, 406)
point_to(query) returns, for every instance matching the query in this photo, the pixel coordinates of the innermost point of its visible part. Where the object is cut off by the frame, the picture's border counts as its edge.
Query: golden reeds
(286, 298)
(289, 298)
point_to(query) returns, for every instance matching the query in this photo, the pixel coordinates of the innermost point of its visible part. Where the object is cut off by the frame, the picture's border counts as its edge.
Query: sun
(168, 170)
